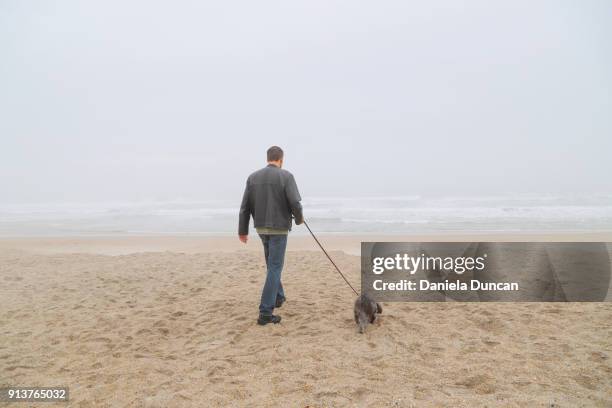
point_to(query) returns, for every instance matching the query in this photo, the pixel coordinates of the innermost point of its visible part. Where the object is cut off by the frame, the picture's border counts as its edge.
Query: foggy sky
(126, 100)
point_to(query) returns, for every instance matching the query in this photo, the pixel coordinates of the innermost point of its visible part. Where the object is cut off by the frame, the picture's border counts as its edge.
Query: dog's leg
(362, 322)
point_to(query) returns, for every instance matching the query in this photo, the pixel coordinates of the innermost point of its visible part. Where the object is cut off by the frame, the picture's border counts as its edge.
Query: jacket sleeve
(245, 212)
(293, 199)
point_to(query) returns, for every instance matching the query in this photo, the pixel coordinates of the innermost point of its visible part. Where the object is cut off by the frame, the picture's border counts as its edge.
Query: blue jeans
(274, 251)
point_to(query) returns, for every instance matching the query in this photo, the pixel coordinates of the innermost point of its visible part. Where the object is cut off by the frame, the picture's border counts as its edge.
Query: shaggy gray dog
(365, 311)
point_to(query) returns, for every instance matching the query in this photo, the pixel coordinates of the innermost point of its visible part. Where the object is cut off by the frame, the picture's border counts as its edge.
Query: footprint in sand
(15, 367)
(598, 357)
(590, 383)
(481, 384)
(165, 371)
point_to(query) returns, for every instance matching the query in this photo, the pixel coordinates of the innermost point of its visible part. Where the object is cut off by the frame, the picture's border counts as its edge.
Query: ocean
(377, 215)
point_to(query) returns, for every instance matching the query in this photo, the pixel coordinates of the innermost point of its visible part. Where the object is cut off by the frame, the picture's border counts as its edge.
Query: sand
(126, 328)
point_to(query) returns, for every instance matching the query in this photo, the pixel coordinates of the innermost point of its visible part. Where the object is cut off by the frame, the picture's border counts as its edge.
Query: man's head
(275, 156)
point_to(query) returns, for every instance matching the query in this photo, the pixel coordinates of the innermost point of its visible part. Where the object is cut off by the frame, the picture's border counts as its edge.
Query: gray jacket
(271, 197)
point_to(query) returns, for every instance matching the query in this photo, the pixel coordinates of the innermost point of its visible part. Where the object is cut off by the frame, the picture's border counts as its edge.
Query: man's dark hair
(275, 153)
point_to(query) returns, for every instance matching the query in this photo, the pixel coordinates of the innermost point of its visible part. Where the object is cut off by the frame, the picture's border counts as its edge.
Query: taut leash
(328, 257)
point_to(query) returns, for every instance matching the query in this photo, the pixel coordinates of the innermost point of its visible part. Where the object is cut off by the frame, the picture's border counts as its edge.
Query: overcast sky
(129, 100)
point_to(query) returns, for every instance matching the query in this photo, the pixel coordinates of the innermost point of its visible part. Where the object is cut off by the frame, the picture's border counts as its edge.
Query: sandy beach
(170, 322)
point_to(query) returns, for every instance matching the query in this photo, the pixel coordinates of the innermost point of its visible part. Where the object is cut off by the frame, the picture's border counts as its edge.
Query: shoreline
(348, 243)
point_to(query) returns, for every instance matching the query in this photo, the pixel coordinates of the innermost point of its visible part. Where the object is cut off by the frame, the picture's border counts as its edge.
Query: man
(271, 197)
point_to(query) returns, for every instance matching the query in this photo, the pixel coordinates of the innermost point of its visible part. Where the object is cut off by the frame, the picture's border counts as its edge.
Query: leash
(328, 257)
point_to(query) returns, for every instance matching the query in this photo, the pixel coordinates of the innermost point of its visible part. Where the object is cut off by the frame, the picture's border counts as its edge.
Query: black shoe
(279, 302)
(264, 319)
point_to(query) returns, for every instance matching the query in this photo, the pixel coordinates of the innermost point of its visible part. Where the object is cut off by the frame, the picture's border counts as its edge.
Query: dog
(366, 310)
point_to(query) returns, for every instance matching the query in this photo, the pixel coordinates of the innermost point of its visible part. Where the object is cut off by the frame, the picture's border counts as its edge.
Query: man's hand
(300, 221)
(243, 238)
